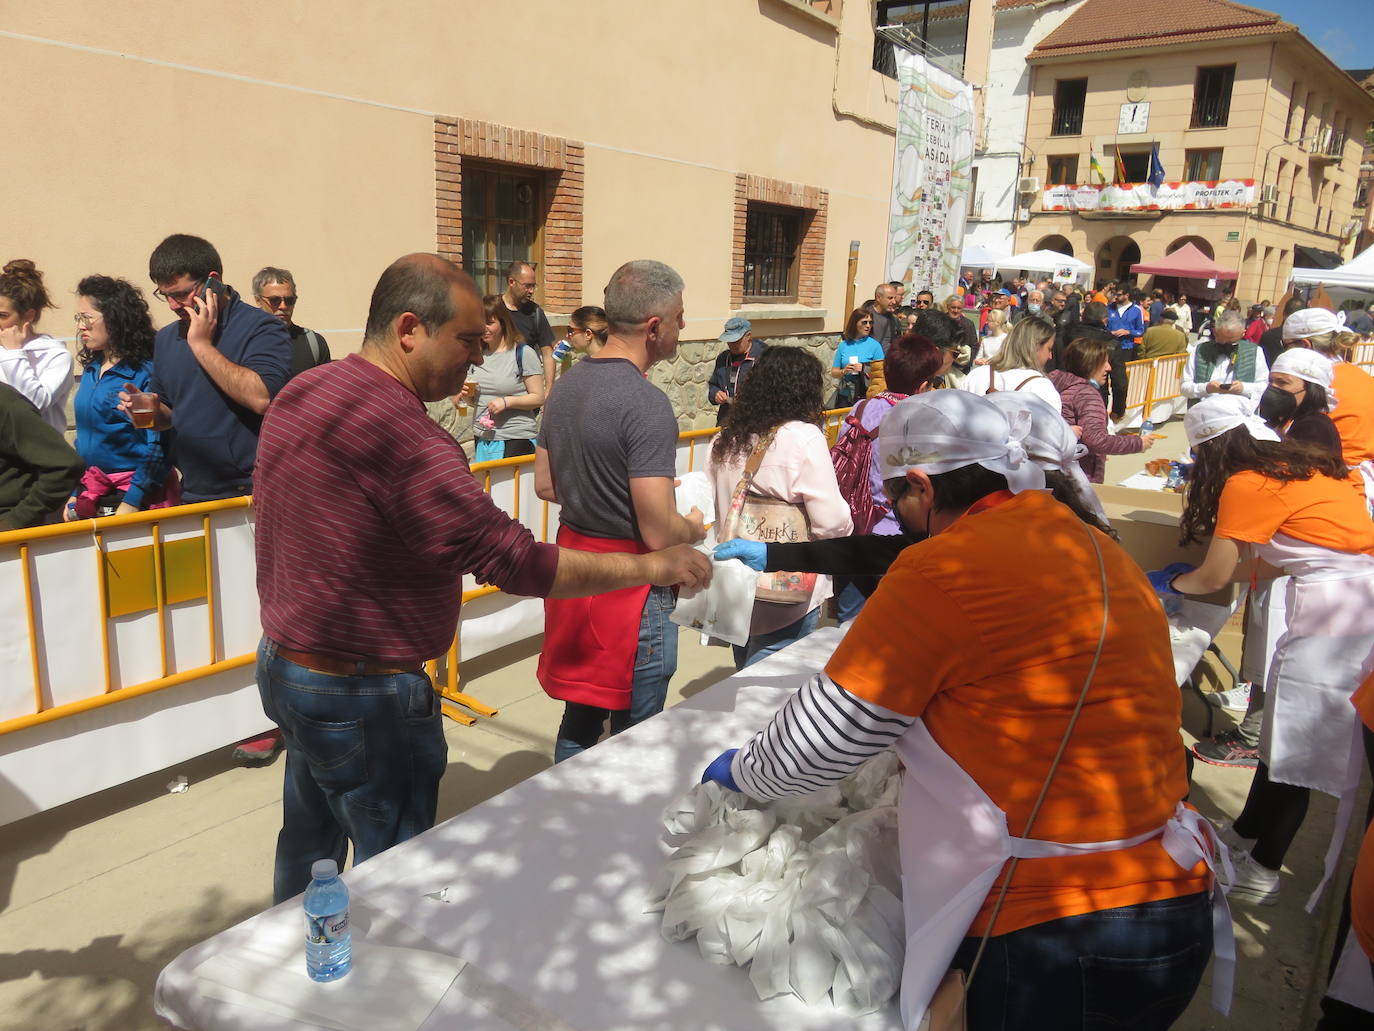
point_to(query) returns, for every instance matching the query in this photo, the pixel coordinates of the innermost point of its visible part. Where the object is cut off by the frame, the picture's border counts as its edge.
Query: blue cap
(734, 329)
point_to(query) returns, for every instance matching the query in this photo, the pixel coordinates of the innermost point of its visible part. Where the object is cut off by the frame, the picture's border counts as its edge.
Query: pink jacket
(1081, 403)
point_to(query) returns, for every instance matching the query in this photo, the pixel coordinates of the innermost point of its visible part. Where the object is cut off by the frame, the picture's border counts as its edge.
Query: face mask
(1034, 309)
(1277, 406)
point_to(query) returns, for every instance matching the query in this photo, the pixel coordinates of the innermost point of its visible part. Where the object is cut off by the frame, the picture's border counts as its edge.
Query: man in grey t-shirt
(607, 455)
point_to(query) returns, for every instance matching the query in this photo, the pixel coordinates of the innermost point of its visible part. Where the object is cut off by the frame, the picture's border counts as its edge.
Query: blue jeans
(655, 664)
(849, 598)
(364, 755)
(1133, 967)
(760, 646)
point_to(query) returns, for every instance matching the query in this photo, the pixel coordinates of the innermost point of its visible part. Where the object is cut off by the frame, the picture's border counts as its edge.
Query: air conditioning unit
(1270, 194)
(1028, 184)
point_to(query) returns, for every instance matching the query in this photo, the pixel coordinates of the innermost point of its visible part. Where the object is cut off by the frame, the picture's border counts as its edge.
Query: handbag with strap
(948, 1007)
(769, 521)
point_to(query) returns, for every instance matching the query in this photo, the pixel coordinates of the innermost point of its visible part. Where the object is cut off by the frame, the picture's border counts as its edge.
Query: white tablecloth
(546, 889)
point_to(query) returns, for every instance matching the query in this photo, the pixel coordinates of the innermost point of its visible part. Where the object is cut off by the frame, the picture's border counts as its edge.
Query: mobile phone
(215, 285)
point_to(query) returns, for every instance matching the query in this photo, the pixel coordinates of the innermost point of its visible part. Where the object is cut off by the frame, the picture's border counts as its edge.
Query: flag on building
(1120, 179)
(1095, 167)
(1156, 169)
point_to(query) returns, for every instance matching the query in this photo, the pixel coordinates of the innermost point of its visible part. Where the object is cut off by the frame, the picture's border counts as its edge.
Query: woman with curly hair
(774, 429)
(126, 467)
(33, 363)
(1275, 508)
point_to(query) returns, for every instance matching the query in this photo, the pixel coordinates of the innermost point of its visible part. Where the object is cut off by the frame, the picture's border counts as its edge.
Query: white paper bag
(724, 609)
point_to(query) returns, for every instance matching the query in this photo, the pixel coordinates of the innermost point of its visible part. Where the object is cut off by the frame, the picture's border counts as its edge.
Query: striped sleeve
(823, 734)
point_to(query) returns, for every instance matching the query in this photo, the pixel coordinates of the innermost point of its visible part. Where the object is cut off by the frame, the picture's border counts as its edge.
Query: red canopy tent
(1188, 262)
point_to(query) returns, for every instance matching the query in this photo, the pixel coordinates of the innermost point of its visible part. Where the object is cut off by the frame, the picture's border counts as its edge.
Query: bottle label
(328, 929)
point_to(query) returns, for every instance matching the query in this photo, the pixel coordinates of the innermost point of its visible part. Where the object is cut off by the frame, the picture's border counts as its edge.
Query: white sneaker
(1239, 846)
(1235, 699)
(1252, 882)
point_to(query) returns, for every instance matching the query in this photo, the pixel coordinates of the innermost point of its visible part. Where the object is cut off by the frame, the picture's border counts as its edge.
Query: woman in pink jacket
(1084, 369)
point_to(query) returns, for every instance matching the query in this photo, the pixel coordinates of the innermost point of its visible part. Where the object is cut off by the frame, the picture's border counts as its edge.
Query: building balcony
(1144, 199)
(1328, 148)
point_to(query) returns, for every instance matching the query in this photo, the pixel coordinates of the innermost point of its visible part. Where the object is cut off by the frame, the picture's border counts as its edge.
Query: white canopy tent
(1354, 279)
(977, 256)
(1061, 267)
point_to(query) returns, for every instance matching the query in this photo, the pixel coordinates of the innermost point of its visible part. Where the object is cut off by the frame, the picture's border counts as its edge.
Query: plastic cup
(143, 410)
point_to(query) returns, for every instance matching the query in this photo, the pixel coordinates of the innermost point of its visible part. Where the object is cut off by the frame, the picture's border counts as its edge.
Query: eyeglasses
(280, 302)
(179, 296)
(922, 304)
(86, 321)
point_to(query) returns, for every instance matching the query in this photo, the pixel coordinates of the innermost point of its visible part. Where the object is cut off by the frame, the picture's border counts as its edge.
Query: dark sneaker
(1227, 750)
(259, 751)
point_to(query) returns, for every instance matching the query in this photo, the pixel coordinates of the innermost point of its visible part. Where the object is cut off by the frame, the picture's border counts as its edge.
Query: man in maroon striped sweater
(367, 516)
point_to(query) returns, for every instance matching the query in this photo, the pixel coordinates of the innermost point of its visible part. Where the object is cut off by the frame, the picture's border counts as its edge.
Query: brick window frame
(562, 162)
(814, 204)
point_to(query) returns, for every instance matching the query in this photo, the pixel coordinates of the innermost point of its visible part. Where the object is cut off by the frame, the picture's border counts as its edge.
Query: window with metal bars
(1212, 97)
(1202, 165)
(772, 239)
(1069, 97)
(502, 215)
(1063, 169)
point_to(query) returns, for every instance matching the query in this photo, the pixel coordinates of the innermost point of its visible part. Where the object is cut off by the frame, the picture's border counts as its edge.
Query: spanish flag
(1095, 167)
(1120, 179)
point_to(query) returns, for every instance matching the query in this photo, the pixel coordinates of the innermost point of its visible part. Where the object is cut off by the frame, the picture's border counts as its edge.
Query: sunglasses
(922, 304)
(279, 302)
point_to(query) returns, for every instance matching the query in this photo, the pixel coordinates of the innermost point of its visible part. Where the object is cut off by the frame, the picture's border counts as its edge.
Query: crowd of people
(955, 514)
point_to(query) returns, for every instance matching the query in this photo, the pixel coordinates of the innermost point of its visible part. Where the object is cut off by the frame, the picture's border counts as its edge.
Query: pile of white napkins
(806, 891)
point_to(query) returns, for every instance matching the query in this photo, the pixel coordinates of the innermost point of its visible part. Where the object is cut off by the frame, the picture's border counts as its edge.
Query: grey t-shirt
(605, 424)
(499, 376)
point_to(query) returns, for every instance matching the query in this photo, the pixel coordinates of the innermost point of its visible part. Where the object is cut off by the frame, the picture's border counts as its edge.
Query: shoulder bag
(769, 521)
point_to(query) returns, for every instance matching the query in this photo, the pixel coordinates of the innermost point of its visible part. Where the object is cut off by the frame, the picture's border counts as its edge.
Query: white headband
(1215, 415)
(949, 429)
(1051, 443)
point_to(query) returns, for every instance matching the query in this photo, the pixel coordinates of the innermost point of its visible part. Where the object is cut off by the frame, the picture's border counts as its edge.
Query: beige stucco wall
(1251, 143)
(301, 135)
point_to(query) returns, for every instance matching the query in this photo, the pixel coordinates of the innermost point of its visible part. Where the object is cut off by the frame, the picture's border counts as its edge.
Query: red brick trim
(560, 277)
(814, 201)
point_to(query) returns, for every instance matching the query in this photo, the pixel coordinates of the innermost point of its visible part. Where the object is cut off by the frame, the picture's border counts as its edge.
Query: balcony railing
(1211, 113)
(1067, 121)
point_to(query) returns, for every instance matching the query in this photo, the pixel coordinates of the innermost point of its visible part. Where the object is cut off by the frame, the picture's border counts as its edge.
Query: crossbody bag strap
(1054, 766)
(746, 481)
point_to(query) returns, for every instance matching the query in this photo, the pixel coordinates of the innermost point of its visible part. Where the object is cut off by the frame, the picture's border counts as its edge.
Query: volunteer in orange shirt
(970, 660)
(1354, 389)
(1277, 508)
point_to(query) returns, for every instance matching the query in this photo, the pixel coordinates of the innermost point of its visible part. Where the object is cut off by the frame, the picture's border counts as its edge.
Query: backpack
(852, 456)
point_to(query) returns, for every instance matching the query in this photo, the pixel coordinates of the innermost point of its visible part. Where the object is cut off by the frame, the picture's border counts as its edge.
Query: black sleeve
(868, 555)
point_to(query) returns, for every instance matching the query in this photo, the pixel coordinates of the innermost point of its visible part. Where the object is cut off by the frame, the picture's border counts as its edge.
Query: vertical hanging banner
(931, 175)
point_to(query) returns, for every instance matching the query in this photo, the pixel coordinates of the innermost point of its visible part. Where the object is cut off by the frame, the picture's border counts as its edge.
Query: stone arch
(1197, 241)
(1115, 258)
(1055, 242)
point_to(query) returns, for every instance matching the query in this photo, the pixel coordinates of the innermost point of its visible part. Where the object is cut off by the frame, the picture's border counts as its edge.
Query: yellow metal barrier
(446, 680)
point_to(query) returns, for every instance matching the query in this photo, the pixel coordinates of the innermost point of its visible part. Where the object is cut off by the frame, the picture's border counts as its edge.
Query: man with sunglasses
(275, 291)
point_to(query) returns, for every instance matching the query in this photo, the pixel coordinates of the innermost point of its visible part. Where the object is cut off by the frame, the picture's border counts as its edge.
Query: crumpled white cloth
(805, 891)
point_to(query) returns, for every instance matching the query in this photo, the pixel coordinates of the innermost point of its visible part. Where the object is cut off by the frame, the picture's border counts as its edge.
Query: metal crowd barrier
(167, 572)
(1152, 381)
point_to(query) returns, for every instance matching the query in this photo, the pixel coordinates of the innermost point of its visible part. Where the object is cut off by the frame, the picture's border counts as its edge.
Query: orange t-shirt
(1354, 412)
(1362, 884)
(989, 641)
(1319, 510)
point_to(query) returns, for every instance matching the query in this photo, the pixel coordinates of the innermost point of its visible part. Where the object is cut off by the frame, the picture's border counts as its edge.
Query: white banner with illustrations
(931, 175)
(1192, 196)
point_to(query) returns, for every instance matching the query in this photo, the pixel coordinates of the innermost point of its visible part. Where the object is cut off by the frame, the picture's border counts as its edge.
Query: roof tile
(1112, 25)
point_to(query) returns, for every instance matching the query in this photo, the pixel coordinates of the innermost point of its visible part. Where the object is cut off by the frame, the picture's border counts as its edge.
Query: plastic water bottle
(561, 350)
(328, 940)
(1175, 480)
(1147, 426)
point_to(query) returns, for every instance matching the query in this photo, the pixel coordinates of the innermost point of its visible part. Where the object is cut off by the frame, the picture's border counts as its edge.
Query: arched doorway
(1196, 241)
(1249, 274)
(1055, 243)
(1115, 258)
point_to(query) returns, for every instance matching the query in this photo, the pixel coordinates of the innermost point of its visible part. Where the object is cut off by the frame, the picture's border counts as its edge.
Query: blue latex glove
(1161, 579)
(719, 770)
(752, 553)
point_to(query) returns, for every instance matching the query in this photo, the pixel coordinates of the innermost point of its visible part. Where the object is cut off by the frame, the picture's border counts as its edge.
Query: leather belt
(339, 667)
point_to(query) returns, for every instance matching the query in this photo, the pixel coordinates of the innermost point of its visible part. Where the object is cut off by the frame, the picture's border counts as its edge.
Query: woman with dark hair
(1083, 370)
(509, 388)
(1276, 508)
(126, 467)
(587, 330)
(854, 357)
(1297, 399)
(771, 451)
(33, 363)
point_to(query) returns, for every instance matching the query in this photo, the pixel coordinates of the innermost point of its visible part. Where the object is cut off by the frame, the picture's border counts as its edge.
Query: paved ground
(97, 896)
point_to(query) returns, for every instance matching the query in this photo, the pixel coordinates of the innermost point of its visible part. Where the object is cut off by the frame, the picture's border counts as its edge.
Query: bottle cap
(324, 869)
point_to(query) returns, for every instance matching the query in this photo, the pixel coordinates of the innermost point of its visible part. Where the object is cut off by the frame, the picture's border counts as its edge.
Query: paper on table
(388, 988)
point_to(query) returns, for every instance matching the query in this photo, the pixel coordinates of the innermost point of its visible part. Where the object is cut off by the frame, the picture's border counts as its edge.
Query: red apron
(590, 643)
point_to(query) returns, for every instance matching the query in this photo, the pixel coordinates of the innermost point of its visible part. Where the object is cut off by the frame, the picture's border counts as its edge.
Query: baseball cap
(734, 329)
(1310, 322)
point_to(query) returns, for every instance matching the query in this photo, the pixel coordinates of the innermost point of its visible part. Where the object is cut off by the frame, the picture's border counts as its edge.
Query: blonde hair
(1324, 343)
(1023, 344)
(1345, 343)
(997, 320)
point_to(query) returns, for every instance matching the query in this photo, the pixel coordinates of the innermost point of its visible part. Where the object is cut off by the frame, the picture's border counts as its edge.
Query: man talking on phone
(218, 366)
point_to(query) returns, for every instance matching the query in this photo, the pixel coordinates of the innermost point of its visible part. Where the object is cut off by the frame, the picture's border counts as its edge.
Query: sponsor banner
(931, 173)
(1194, 196)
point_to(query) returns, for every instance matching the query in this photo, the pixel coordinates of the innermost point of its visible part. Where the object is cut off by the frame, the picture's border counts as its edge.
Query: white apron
(954, 843)
(1326, 651)
(1264, 625)
(1366, 469)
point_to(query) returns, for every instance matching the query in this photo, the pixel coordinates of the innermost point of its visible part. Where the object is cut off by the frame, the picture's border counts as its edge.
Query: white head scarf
(1309, 365)
(1213, 416)
(1050, 443)
(1310, 322)
(949, 429)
